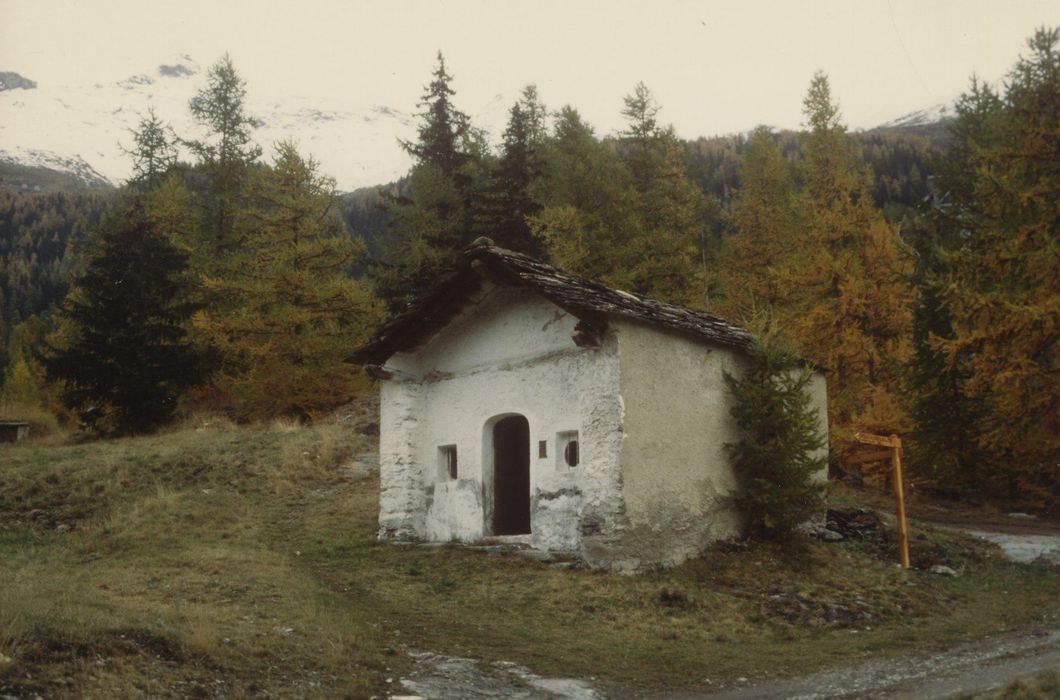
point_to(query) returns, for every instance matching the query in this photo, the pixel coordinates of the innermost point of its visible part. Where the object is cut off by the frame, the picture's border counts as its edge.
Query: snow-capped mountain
(83, 129)
(921, 117)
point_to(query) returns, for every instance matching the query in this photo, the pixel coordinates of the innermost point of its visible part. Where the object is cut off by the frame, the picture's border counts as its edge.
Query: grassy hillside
(221, 561)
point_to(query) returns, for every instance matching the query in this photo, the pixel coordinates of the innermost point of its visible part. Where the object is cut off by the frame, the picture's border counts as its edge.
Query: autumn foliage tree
(765, 221)
(1003, 288)
(848, 278)
(294, 313)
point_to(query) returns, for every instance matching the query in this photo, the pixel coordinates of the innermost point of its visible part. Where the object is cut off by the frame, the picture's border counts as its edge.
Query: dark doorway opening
(511, 476)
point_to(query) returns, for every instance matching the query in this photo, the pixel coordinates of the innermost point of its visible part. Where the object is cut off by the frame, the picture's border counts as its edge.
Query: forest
(920, 267)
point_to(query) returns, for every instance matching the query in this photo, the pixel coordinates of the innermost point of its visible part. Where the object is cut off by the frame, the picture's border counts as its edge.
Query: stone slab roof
(590, 302)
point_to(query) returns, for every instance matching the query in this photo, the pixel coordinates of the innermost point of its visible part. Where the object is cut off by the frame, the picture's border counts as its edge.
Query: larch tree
(153, 152)
(224, 154)
(848, 277)
(667, 257)
(944, 411)
(1004, 288)
(764, 221)
(24, 381)
(294, 312)
(589, 205)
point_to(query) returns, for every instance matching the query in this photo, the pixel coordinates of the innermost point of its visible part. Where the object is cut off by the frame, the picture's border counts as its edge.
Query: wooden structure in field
(13, 430)
(895, 453)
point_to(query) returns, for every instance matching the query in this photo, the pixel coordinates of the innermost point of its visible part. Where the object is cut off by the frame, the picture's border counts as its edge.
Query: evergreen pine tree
(779, 459)
(127, 359)
(944, 414)
(433, 219)
(508, 203)
(589, 204)
(667, 256)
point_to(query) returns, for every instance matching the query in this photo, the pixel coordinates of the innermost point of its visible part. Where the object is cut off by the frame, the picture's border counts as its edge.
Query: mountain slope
(82, 129)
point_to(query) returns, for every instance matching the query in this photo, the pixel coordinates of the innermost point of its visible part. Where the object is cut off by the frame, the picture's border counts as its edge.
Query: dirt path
(439, 677)
(1023, 548)
(968, 668)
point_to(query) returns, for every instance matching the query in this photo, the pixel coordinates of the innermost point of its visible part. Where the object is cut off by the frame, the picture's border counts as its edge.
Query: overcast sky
(716, 67)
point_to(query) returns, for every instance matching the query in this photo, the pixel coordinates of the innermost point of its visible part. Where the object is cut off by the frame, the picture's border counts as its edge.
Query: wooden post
(899, 496)
(895, 444)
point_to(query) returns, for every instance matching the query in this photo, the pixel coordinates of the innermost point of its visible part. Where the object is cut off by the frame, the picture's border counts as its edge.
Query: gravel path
(972, 667)
(439, 677)
(968, 668)
(1023, 548)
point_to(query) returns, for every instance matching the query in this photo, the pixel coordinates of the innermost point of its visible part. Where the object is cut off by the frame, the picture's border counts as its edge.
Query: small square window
(567, 449)
(542, 449)
(447, 466)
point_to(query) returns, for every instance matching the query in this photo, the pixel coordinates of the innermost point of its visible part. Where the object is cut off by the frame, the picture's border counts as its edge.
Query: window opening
(542, 449)
(447, 461)
(567, 449)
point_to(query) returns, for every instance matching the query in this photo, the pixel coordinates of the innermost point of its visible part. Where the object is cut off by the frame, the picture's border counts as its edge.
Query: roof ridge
(433, 309)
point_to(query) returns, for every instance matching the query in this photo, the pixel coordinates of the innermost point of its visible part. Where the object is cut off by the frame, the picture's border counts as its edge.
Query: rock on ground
(1023, 548)
(439, 677)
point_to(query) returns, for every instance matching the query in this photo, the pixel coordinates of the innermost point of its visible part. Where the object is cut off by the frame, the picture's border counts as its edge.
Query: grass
(216, 560)
(1041, 687)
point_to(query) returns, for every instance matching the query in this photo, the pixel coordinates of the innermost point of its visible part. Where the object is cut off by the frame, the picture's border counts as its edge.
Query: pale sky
(715, 67)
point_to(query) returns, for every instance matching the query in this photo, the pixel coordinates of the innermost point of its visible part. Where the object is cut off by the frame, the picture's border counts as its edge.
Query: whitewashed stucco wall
(510, 353)
(651, 409)
(676, 475)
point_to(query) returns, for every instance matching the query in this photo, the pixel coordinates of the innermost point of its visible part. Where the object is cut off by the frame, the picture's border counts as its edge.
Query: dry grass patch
(244, 562)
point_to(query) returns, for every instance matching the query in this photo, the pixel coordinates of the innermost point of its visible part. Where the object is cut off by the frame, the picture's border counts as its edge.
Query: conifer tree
(153, 152)
(1004, 288)
(779, 458)
(23, 375)
(667, 257)
(589, 204)
(433, 219)
(508, 203)
(294, 312)
(944, 414)
(848, 278)
(225, 153)
(752, 266)
(127, 359)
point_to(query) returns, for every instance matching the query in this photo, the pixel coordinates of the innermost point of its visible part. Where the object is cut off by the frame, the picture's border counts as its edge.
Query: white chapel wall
(509, 353)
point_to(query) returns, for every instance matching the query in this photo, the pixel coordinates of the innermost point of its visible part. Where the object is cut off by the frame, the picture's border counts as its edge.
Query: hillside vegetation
(214, 560)
(917, 264)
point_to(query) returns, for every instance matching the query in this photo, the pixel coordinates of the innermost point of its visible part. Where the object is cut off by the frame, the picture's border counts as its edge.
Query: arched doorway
(511, 476)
